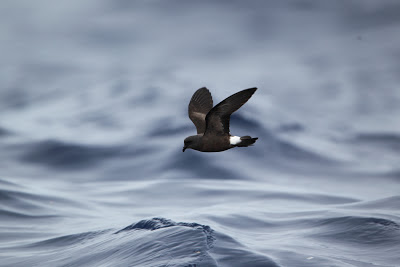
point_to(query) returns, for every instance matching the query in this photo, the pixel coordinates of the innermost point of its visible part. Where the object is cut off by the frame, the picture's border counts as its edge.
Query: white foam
(234, 140)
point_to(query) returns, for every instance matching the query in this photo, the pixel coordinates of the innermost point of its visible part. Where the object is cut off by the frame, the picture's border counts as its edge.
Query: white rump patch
(234, 140)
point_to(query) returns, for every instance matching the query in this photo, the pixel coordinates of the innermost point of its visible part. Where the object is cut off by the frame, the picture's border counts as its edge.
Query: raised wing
(200, 104)
(217, 120)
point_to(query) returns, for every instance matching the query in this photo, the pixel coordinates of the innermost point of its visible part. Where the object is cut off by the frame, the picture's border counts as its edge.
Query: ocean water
(93, 114)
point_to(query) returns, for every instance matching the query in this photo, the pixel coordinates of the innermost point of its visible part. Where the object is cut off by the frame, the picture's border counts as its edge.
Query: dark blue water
(93, 113)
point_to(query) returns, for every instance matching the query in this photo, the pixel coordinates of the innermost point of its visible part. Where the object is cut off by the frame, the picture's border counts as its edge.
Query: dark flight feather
(217, 119)
(200, 104)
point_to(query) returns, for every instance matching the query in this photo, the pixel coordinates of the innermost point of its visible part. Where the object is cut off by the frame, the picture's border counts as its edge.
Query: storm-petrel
(212, 123)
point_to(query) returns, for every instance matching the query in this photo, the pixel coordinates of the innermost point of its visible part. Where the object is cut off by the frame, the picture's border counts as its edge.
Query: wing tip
(203, 88)
(253, 89)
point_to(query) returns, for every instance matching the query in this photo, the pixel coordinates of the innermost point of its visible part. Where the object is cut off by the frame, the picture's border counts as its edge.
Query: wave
(152, 242)
(388, 203)
(155, 242)
(193, 164)
(66, 155)
(388, 140)
(4, 132)
(358, 230)
(18, 203)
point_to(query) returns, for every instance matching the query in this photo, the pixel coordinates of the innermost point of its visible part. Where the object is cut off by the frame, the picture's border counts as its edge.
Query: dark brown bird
(212, 123)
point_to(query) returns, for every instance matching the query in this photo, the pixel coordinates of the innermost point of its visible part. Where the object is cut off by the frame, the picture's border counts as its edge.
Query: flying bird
(212, 123)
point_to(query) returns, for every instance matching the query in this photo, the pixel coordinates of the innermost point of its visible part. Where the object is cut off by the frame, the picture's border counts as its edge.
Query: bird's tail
(246, 141)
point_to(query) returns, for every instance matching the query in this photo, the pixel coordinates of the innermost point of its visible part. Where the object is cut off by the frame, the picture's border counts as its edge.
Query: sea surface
(93, 114)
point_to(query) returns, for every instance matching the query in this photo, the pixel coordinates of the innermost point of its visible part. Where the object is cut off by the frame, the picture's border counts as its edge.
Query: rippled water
(93, 113)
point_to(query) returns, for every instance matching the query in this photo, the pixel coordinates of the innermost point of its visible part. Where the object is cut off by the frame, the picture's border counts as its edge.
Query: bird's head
(192, 142)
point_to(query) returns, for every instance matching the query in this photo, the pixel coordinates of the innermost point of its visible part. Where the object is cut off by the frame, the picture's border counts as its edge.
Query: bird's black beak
(184, 148)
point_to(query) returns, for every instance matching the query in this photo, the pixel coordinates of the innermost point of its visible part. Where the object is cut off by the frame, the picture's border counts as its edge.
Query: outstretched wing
(217, 120)
(200, 104)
